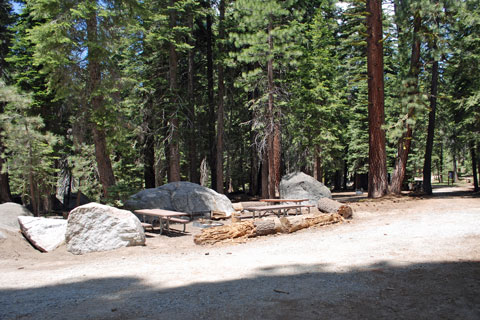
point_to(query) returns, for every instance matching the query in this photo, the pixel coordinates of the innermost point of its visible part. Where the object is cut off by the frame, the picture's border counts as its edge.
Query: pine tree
(5, 21)
(266, 39)
(31, 155)
(377, 177)
(75, 42)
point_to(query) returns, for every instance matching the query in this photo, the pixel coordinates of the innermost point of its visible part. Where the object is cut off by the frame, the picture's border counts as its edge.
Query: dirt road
(399, 258)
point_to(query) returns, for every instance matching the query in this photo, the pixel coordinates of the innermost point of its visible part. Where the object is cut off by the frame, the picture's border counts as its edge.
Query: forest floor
(400, 257)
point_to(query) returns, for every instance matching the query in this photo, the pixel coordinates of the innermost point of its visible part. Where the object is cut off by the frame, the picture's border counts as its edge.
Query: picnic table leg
(161, 225)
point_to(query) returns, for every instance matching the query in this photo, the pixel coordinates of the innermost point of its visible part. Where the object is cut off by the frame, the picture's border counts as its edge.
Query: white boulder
(97, 227)
(44, 234)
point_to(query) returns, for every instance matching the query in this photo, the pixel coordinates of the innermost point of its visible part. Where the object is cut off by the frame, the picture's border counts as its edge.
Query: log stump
(331, 206)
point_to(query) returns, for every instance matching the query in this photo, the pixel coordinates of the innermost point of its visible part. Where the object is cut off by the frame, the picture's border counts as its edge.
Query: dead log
(216, 234)
(261, 227)
(292, 224)
(331, 206)
(268, 226)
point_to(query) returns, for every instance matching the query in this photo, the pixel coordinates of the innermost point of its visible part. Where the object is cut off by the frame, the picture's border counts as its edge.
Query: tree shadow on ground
(449, 290)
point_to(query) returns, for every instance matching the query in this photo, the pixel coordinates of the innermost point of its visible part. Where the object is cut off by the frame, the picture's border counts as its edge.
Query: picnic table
(284, 200)
(165, 217)
(280, 208)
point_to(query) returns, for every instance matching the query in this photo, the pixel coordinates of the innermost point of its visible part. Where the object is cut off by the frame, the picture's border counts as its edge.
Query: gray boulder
(298, 185)
(97, 227)
(44, 234)
(182, 197)
(9, 213)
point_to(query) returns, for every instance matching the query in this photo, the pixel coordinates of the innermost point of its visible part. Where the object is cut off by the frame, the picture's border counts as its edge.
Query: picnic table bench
(277, 209)
(164, 217)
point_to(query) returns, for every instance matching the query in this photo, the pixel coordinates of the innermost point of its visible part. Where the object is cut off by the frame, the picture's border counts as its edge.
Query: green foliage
(29, 151)
(320, 87)
(84, 171)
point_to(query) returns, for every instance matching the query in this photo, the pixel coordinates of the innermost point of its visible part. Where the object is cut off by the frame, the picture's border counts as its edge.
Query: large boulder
(44, 234)
(9, 213)
(298, 185)
(182, 197)
(97, 227)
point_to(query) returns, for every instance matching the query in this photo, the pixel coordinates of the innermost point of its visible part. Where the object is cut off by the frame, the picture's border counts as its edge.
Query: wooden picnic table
(277, 209)
(165, 216)
(284, 200)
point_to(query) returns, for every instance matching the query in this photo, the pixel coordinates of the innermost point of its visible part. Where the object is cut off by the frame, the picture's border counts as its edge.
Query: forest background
(109, 97)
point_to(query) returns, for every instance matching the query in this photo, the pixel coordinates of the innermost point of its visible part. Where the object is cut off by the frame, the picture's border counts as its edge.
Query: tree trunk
(454, 160)
(264, 176)
(427, 166)
(192, 143)
(273, 139)
(149, 162)
(474, 166)
(211, 102)
(173, 146)
(148, 149)
(277, 151)
(105, 170)
(478, 159)
(406, 140)
(441, 164)
(317, 166)
(377, 178)
(5, 195)
(220, 111)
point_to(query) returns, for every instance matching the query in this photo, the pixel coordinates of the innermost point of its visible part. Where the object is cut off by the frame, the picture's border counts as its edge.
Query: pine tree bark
(317, 166)
(264, 176)
(211, 101)
(5, 195)
(377, 178)
(105, 170)
(273, 138)
(220, 111)
(406, 139)
(478, 159)
(192, 143)
(427, 166)
(474, 166)
(454, 164)
(173, 145)
(149, 156)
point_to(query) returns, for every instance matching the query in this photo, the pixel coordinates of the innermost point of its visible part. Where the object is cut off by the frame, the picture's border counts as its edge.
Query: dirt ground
(399, 258)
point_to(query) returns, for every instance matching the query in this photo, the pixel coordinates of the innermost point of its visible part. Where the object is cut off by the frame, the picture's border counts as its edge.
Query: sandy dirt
(399, 258)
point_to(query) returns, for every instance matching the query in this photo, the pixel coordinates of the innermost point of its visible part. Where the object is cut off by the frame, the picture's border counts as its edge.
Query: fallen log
(261, 227)
(216, 234)
(331, 206)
